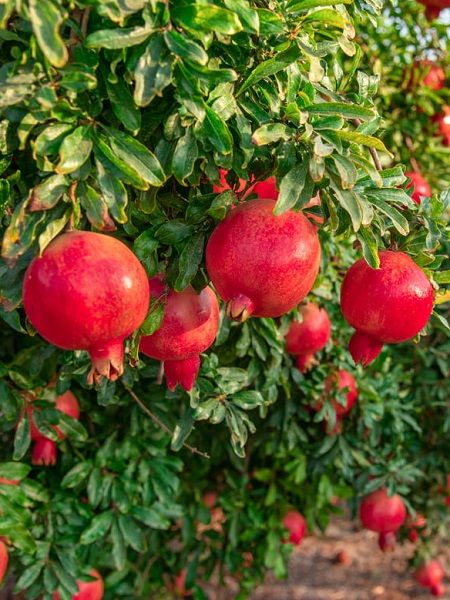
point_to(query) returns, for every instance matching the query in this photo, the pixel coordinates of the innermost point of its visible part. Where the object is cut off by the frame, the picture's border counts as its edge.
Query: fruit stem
(107, 361)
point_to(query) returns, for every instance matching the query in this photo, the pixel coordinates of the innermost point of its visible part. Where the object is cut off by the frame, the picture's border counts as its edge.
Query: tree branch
(161, 424)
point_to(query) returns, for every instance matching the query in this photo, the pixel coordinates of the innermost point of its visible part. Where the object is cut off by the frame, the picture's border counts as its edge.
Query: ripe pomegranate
(223, 186)
(88, 590)
(342, 380)
(386, 305)
(296, 525)
(266, 189)
(381, 513)
(87, 291)
(5, 481)
(430, 574)
(66, 403)
(433, 7)
(387, 541)
(434, 75)
(261, 264)
(44, 452)
(420, 186)
(443, 121)
(188, 328)
(4, 558)
(309, 335)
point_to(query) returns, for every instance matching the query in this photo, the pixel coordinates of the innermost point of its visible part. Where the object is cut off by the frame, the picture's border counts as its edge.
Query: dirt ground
(372, 575)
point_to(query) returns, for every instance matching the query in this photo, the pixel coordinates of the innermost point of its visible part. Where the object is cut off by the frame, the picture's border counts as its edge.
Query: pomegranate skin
(223, 186)
(420, 186)
(261, 264)
(266, 189)
(381, 513)
(312, 333)
(4, 559)
(434, 7)
(87, 291)
(342, 380)
(443, 121)
(44, 453)
(88, 590)
(429, 574)
(390, 304)
(296, 525)
(434, 75)
(189, 327)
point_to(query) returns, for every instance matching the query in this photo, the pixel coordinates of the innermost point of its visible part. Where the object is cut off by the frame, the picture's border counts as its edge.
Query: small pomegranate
(430, 574)
(434, 75)
(87, 291)
(386, 305)
(266, 189)
(66, 403)
(88, 590)
(44, 453)
(342, 380)
(296, 525)
(4, 559)
(387, 541)
(309, 335)
(420, 186)
(381, 513)
(261, 264)
(223, 186)
(189, 327)
(443, 121)
(5, 481)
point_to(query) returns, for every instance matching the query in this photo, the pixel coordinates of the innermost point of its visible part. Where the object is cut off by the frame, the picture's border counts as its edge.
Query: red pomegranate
(381, 513)
(266, 189)
(430, 574)
(5, 481)
(223, 186)
(66, 403)
(311, 334)
(433, 7)
(87, 291)
(305, 362)
(387, 541)
(44, 452)
(342, 380)
(4, 558)
(188, 328)
(261, 264)
(443, 121)
(88, 590)
(434, 75)
(420, 186)
(386, 305)
(296, 525)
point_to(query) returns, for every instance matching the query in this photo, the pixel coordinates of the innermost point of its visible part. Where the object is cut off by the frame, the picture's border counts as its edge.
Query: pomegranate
(188, 328)
(296, 525)
(44, 452)
(430, 574)
(209, 499)
(386, 305)
(443, 121)
(266, 189)
(88, 590)
(309, 335)
(87, 291)
(433, 7)
(261, 264)
(381, 513)
(5, 481)
(305, 362)
(342, 380)
(387, 541)
(434, 75)
(66, 403)
(4, 558)
(420, 186)
(416, 527)
(223, 186)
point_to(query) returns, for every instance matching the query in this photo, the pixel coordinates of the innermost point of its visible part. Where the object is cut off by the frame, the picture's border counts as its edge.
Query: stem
(412, 160)
(160, 423)
(373, 152)
(85, 20)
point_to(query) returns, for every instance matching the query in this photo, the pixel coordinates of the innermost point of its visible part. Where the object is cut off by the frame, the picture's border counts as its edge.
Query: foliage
(117, 117)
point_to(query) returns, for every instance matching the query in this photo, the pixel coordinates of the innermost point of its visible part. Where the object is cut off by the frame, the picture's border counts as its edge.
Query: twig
(161, 424)
(85, 20)
(373, 152)
(412, 160)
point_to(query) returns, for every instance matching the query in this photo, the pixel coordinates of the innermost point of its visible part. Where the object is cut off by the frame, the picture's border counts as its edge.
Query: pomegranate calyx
(364, 348)
(183, 372)
(107, 361)
(240, 308)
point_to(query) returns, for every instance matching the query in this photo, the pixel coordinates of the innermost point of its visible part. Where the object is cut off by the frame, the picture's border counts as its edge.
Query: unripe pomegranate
(296, 525)
(44, 453)
(88, 590)
(386, 305)
(381, 513)
(223, 186)
(387, 541)
(189, 327)
(342, 380)
(429, 574)
(310, 334)
(87, 291)
(420, 186)
(443, 121)
(4, 558)
(261, 264)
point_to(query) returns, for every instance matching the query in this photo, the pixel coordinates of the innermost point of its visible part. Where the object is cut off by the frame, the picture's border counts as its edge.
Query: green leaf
(52, 229)
(116, 166)
(95, 487)
(21, 439)
(72, 428)
(47, 194)
(369, 247)
(349, 201)
(248, 16)
(119, 551)
(74, 150)
(153, 72)
(248, 399)
(97, 529)
(398, 220)
(328, 16)
(113, 192)
(185, 48)
(29, 576)
(115, 39)
(269, 67)
(347, 171)
(184, 156)
(348, 111)
(173, 232)
(77, 474)
(150, 517)
(182, 430)
(208, 18)
(217, 132)
(270, 133)
(189, 262)
(132, 533)
(14, 470)
(291, 188)
(123, 105)
(363, 140)
(303, 5)
(95, 207)
(154, 317)
(46, 21)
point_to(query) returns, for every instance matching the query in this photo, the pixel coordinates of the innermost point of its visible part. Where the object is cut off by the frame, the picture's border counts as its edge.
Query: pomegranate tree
(306, 337)
(189, 327)
(388, 305)
(88, 590)
(420, 186)
(296, 525)
(262, 264)
(87, 291)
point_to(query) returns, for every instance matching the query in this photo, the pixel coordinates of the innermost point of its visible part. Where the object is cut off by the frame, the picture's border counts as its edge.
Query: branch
(412, 160)
(161, 424)
(373, 152)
